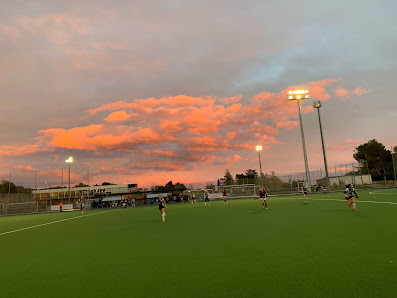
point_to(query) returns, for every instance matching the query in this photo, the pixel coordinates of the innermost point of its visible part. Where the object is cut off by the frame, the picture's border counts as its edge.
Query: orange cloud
(341, 93)
(287, 124)
(117, 116)
(360, 91)
(349, 144)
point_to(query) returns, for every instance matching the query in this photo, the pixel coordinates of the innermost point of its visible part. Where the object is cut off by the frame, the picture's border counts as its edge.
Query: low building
(85, 192)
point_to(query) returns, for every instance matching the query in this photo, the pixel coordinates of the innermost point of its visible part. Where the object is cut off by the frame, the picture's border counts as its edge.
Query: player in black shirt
(161, 203)
(224, 196)
(304, 191)
(262, 196)
(349, 191)
(206, 199)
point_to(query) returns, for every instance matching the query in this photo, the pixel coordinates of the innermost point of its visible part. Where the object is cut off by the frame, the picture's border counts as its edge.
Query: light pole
(259, 149)
(318, 105)
(69, 161)
(299, 95)
(394, 167)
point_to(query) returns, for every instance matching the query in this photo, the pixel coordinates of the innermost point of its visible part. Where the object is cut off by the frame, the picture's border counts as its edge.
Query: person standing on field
(224, 197)
(206, 199)
(262, 196)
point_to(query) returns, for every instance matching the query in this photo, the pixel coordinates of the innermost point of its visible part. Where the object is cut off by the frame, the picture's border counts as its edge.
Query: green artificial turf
(320, 249)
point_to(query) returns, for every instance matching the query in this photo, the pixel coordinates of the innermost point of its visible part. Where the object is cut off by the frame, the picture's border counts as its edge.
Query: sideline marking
(52, 222)
(380, 193)
(338, 200)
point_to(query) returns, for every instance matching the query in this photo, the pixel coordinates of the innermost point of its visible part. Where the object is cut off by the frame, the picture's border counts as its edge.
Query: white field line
(52, 222)
(380, 193)
(338, 200)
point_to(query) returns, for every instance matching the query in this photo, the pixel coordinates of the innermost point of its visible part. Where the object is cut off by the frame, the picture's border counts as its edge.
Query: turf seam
(52, 222)
(339, 200)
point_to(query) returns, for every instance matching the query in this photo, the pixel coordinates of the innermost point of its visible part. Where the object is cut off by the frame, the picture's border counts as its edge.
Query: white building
(90, 192)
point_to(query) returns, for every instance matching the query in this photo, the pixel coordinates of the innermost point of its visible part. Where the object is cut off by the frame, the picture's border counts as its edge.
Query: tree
(228, 178)
(108, 183)
(377, 157)
(81, 185)
(210, 186)
(251, 173)
(248, 178)
(5, 186)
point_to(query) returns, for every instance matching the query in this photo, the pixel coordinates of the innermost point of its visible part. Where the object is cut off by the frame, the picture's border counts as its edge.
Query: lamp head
(298, 94)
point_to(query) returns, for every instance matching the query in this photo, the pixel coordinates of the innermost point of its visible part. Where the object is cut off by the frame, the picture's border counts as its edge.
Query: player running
(82, 207)
(161, 202)
(206, 199)
(193, 198)
(224, 197)
(349, 191)
(325, 191)
(124, 206)
(304, 190)
(263, 196)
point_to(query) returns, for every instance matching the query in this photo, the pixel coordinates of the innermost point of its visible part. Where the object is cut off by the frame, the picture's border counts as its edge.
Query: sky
(151, 91)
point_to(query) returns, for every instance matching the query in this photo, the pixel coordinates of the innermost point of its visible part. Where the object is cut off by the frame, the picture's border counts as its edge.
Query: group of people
(350, 194)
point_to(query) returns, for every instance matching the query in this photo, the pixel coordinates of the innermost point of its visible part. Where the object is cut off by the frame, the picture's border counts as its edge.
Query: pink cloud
(180, 132)
(349, 144)
(117, 116)
(287, 124)
(361, 91)
(341, 93)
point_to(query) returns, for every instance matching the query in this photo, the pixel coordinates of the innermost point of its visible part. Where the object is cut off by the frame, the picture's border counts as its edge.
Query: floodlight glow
(70, 159)
(258, 148)
(298, 94)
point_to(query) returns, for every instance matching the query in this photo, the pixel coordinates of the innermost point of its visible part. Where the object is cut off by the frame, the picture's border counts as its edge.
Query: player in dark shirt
(162, 205)
(349, 191)
(304, 191)
(206, 199)
(224, 196)
(262, 196)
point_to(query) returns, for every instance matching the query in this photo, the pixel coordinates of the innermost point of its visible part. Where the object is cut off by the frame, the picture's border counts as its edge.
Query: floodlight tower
(299, 95)
(318, 105)
(69, 161)
(259, 149)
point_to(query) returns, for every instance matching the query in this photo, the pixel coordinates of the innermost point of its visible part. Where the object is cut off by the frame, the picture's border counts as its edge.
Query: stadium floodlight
(317, 105)
(259, 149)
(69, 161)
(299, 95)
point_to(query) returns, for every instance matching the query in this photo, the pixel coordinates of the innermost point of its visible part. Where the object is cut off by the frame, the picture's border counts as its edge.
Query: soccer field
(320, 249)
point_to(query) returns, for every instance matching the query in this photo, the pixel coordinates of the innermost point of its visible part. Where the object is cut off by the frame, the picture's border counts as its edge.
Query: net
(21, 208)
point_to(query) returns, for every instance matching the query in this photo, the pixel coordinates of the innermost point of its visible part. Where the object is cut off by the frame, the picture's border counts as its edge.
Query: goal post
(21, 208)
(300, 185)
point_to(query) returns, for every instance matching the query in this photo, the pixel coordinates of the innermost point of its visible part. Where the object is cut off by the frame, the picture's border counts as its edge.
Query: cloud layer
(175, 134)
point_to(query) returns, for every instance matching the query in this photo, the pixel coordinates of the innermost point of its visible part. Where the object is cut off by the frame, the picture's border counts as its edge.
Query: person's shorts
(349, 197)
(206, 200)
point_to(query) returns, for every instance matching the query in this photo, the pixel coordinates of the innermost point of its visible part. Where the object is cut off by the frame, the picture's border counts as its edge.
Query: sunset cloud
(180, 132)
(349, 144)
